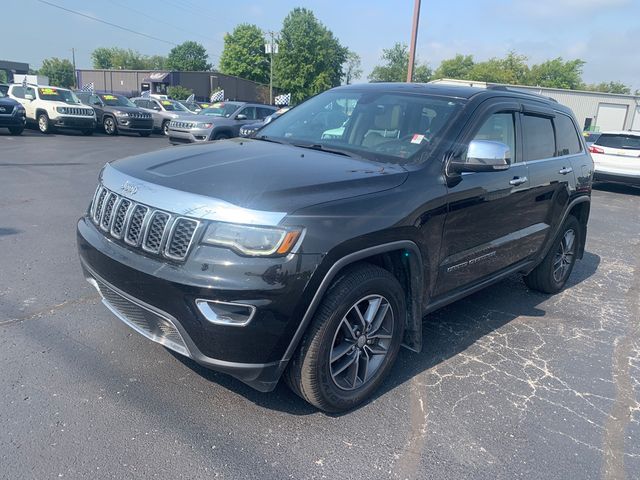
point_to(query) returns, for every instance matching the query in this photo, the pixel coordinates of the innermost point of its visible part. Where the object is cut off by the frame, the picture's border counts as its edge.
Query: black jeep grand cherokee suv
(315, 250)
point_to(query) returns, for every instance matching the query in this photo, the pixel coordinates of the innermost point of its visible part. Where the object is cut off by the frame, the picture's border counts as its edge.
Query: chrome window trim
(562, 157)
(186, 204)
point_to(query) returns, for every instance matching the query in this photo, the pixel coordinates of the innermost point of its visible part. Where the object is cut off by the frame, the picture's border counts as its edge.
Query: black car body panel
(12, 114)
(444, 234)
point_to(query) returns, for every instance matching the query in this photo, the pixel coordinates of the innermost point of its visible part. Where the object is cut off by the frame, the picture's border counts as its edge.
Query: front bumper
(11, 121)
(76, 123)
(253, 353)
(128, 124)
(178, 136)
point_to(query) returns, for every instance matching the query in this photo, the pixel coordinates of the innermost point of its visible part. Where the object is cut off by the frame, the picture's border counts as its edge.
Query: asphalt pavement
(510, 384)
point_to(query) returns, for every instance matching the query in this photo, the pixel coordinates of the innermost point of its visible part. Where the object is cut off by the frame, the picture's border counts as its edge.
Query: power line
(106, 23)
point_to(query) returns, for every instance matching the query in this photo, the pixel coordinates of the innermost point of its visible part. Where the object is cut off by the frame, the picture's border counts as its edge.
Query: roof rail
(505, 88)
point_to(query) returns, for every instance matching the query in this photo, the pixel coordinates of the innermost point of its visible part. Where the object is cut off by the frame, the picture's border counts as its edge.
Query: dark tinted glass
(18, 92)
(539, 141)
(499, 127)
(566, 136)
(630, 142)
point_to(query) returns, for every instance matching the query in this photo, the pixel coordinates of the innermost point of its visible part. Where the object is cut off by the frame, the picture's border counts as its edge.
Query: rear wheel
(110, 127)
(352, 341)
(16, 130)
(43, 123)
(554, 271)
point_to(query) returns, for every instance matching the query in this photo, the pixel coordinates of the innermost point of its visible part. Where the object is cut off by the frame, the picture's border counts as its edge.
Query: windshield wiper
(264, 138)
(322, 148)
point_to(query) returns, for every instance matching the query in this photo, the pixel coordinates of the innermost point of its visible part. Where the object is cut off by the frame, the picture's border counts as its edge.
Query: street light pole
(414, 36)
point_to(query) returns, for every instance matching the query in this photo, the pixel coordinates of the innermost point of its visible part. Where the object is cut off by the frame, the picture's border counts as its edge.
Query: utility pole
(414, 37)
(75, 73)
(271, 48)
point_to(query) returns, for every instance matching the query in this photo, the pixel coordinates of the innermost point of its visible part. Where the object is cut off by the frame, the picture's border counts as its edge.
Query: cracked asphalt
(511, 383)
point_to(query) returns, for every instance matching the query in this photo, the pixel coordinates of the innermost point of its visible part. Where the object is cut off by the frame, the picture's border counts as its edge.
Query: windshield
(628, 142)
(116, 100)
(222, 109)
(384, 126)
(172, 106)
(58, 95)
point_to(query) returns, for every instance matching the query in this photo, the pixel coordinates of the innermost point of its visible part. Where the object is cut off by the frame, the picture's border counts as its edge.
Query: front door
(486, 224)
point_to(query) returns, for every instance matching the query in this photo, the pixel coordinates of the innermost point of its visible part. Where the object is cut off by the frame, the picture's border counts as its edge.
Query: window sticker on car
(217, 105)
(48, 91)
(109, 97)
(166, 102)
(417, 138)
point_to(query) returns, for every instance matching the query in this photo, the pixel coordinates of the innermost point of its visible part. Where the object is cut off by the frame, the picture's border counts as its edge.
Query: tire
(87, 133)
(144, 134)
(109, 125)
(165, 128)
(221, 136)
(551, 275)
(43, 123)
(330, 386)
(16, 130)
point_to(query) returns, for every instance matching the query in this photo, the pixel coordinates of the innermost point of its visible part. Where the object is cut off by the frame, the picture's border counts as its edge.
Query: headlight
(61, 109)
(203, 125)
(250, 240)
(121, 114)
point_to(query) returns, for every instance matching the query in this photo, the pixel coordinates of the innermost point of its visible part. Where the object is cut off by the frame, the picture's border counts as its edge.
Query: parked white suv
(53, 107)
(616, 157)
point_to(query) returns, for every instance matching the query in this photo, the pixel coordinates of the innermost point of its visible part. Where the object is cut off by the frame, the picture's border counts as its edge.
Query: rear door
(487, 221)
(549, 142)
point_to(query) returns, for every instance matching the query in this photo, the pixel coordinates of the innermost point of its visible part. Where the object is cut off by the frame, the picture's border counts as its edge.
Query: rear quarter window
(566, 136)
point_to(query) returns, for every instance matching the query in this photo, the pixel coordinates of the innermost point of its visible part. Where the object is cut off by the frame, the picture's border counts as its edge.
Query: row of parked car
(51, 108)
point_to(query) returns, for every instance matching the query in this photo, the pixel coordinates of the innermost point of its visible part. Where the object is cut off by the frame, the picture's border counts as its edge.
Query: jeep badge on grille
(129, 188)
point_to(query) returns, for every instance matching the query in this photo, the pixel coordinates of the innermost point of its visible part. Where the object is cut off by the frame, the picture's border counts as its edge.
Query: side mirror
(241, 116)
(156, 108)
(483, 156)
(97, 102)
(28, 96)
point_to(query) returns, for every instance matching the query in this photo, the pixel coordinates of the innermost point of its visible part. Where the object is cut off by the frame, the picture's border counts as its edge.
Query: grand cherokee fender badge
(130, 188)
(473, 261)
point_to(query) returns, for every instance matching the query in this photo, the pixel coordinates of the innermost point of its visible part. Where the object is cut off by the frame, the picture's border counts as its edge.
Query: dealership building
(133, 82)
(595, 111)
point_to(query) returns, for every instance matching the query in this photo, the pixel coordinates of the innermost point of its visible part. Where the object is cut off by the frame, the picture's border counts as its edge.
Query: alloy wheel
(564, 256)
(109, 126)
(361, 342)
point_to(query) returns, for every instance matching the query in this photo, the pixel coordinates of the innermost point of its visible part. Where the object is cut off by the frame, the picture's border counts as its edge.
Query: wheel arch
(401, 258)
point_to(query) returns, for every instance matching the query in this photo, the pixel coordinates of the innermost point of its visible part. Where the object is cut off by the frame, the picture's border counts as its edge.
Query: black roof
(455, 91)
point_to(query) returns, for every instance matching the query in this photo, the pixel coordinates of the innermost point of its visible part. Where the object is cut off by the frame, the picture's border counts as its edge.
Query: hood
(111, 108)
(261, 175)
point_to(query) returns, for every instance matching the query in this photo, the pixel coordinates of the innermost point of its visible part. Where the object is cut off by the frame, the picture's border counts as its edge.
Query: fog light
(225, 313)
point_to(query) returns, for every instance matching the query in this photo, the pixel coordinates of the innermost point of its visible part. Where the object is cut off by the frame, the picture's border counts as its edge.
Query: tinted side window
(31, 91)
(264, 112)
(17, 92)
(499, 127)
(566, 136)
(250, 112)
(538, 138)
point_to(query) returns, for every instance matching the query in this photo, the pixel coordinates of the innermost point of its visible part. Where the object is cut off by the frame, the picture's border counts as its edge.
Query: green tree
(352, 68)
(3, 76)
(59, 70)
(557, 73)
(178, 92)
(608, 87)
(189, 56)
(396, 66)
(458, 67)
(243, 54)
(310, 57)
(128, 59)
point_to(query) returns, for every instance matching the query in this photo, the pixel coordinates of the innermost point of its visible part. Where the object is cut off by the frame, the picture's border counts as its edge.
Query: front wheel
(352, 341)
(165, 128)
(87, 132)
(110, 127)
(43, 123)
(221, 136)
(144, 134)
(16, 130)
(551, 275)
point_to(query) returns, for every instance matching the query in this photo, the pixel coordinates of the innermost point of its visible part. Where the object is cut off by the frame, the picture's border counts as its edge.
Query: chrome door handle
(518, 181)
(565, 170)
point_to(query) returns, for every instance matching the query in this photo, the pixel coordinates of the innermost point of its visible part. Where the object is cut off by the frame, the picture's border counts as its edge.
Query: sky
(604, 33)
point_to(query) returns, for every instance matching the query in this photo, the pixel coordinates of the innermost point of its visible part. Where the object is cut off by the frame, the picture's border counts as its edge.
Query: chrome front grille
(85, 112)
(154, 325)
(139, 115)
(141, 226)
(185, 125)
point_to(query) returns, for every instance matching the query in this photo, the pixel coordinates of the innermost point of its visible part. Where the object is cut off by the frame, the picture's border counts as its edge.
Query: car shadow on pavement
(445, 334)
(617, 188)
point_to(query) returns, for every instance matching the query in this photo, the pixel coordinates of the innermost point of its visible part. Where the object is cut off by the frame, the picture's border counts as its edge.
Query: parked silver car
(221, 120)
(162, 111)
